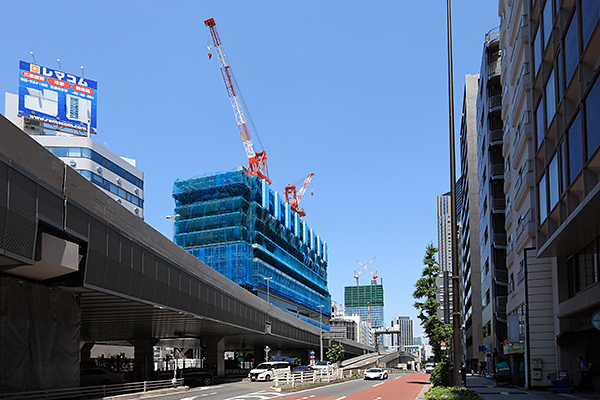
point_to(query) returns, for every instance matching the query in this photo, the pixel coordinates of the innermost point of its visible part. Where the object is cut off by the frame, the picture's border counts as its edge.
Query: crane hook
(209, 56)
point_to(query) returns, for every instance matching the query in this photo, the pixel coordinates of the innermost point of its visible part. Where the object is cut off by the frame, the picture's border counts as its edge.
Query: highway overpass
(77, 268)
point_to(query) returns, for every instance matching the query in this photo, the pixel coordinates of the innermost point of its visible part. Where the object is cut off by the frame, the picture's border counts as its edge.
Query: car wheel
(206, 381)
(267, 378)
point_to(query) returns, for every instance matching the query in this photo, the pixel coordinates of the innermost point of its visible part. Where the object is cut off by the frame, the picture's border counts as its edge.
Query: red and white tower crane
(356, 275)
(293, 198)
(257, 160)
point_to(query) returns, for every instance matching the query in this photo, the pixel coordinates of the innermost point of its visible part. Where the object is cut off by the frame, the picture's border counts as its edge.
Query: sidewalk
(487, 389)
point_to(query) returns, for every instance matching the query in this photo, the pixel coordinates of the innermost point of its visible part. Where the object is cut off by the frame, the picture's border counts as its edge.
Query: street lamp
(321, 332)
(172, 218)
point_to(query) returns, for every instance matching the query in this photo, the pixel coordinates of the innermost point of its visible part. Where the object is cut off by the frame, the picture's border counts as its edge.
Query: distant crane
(257, 160)
(356, 275)
(293, 198)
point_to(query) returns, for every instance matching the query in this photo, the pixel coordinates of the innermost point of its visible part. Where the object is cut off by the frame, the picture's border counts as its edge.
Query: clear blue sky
(354, 91)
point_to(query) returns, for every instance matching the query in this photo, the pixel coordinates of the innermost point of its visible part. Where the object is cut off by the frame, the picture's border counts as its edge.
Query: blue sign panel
(56, 97)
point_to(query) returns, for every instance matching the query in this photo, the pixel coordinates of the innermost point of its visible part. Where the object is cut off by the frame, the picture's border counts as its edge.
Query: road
(397, 387)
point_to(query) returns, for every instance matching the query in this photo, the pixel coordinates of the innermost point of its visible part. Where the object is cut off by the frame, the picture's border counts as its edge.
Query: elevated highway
(128, 282)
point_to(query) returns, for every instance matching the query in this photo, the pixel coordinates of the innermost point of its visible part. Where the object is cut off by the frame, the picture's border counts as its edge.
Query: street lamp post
(455, 378)
(321, 332)
(172, 218)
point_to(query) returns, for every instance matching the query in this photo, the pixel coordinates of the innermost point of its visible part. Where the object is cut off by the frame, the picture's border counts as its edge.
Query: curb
(421, 395)
(137, 395)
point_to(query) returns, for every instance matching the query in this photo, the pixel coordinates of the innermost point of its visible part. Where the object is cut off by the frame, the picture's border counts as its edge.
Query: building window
(592, 119)
(550, 99)
(540, 125)
(553, 184)
(571, 51)
(543, 201)
(537, 51)
(582, 269)
(547, 13)
(590, 12)
(575, 146)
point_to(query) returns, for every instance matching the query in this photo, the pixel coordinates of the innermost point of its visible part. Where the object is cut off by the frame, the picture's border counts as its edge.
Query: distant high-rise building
(365, 301)
(405, 326)
(443, 281)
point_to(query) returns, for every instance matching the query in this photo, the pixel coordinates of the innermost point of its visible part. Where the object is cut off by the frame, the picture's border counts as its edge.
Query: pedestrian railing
(92, 392)
(317, 376)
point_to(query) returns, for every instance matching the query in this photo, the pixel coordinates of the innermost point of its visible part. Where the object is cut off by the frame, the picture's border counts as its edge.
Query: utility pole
(456, 347)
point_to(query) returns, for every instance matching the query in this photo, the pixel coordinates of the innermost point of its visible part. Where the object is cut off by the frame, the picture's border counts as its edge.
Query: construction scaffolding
(241, 228)
(365, 301)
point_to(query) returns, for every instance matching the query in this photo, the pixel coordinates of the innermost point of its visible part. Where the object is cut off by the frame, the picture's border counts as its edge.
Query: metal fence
(317, 376)
(94, 392)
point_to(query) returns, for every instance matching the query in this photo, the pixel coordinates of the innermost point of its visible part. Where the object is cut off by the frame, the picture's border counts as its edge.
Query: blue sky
(353, 91)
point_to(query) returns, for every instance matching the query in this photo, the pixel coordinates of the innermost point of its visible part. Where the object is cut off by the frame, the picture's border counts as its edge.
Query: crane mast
(257, 160)
(293, 198)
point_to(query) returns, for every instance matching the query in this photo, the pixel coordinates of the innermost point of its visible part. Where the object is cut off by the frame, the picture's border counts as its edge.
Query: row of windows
(583, 269)
(111, 187)
(581, 139)
(94, 156)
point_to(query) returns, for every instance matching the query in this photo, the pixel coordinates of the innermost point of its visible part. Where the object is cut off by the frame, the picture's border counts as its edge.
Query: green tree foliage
(336, 353)
(440, 376)
(425, 291)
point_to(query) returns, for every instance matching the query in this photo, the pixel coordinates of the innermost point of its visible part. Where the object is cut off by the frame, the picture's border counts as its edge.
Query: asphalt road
(397, 387)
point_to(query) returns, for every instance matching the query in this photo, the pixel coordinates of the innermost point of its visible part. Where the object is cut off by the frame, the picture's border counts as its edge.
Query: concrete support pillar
(215, 355)
(85, 352)
(144, 359)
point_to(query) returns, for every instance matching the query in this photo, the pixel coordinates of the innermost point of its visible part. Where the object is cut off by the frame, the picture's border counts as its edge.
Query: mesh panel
(21, 217)
(3, 201)
(77, 220)
(50, 206)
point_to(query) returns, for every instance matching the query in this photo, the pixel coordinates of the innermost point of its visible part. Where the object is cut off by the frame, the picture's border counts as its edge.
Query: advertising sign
(56, 97)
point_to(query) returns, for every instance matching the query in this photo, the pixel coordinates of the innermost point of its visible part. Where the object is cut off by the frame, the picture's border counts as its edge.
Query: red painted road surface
(406, 387)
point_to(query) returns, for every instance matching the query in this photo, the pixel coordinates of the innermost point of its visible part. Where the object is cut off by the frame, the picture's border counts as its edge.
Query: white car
(429, 367)
(267, 370)
(376, 373)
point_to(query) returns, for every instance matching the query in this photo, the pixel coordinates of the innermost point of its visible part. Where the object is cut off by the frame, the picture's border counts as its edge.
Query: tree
(425, 290)
(336, 353)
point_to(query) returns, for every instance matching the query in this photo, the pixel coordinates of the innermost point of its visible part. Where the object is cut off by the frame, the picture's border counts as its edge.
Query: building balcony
(526, 223)
(495, 102)
(524, 182)
(501, 277)
(523, 133)
(499, 240)
(498, 205)
(500, 303)
(497, 171)
(494, 68)
(496, 136)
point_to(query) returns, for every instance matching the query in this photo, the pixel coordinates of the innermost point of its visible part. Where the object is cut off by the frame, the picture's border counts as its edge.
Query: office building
(468, 227)
(552, 134)
(237, 225)
(405, 326)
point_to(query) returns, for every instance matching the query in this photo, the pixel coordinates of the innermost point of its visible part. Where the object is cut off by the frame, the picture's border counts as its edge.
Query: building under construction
(237, 225)
(365, 301)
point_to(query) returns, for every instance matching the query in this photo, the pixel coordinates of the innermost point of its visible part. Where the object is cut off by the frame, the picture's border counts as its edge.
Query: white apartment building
(117, 176)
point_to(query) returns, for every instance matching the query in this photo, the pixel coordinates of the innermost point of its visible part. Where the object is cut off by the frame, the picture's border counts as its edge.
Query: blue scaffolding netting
(241, 228)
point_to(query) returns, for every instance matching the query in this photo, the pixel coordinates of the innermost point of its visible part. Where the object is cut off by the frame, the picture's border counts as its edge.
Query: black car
(196, 376)
(191, 376)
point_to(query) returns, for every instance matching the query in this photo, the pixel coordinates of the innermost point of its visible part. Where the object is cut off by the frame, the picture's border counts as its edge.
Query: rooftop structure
(237, 225)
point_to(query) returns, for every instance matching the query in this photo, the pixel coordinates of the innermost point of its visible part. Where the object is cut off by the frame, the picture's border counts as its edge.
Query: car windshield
(264, 366)
(322, 363)
(374, 370)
